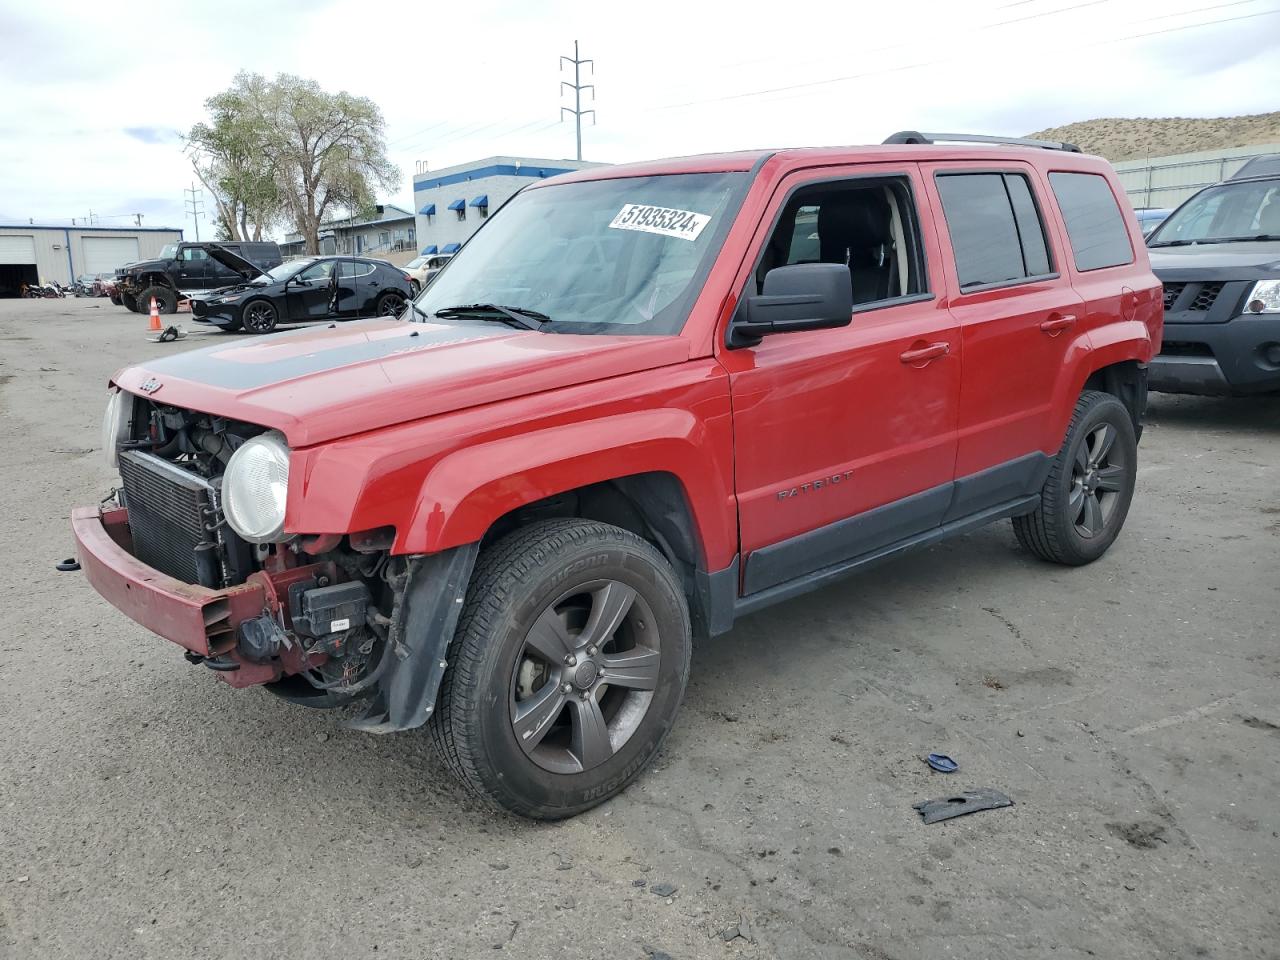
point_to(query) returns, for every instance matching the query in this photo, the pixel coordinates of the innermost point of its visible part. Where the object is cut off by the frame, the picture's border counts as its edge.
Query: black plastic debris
(68, 565)
(958, 804)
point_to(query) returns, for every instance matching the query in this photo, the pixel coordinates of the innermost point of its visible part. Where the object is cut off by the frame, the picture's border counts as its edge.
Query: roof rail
(915, 136)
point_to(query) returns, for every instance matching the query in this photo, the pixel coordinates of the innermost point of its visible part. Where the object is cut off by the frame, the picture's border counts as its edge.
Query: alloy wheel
(1097, 481)
(584, 677)
(259, 317)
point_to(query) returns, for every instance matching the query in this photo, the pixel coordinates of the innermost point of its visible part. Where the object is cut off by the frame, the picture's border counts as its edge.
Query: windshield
(284, 271)
(415, 263)
(168, 251)
(599, 256)
(1229, 211)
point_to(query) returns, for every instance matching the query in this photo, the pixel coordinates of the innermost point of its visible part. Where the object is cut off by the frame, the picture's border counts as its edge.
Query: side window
(1095, 225)
(318, 271)
(868, 225)
(193, 254)
(997, 233)
(350, 269)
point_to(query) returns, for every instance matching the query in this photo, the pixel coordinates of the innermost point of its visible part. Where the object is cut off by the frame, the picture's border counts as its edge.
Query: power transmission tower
(195, 205)
(577, 87)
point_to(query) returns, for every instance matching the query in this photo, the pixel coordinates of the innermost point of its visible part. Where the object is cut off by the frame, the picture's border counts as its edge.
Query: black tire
(129, 301)
(166, 300)
(1086, 498)
(115, 298)
(389, 305)
(259, 316)
(558, 575)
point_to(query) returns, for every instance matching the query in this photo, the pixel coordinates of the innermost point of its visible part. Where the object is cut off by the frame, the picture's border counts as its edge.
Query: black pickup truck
(186, 268)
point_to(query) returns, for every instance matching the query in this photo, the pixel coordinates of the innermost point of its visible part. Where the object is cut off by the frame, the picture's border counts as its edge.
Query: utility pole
(577, 87)
(137, 218)
(194, 204)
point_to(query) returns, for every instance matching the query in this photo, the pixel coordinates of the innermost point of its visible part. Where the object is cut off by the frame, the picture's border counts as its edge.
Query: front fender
(469, 489)
(442, 482)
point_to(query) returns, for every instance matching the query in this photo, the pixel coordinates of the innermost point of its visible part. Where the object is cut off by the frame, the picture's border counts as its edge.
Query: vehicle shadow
(1214, 413)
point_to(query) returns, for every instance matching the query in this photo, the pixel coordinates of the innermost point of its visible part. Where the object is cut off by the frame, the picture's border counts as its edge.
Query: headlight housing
(115, 424)
(255, 488)
(1264, 297)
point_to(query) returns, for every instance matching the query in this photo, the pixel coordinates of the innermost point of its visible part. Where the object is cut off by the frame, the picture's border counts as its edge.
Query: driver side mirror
(799, 296)
(301, 281)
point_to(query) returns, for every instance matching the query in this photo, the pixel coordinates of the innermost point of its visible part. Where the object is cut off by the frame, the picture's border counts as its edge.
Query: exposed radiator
(173, 517)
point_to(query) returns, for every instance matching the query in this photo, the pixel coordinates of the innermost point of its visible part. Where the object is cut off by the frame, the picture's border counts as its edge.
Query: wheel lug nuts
(571, 660)
(566, 687)
(591, 651)
(586, 694)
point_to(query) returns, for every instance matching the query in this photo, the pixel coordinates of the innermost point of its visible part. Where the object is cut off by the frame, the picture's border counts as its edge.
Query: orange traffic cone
(155, 316)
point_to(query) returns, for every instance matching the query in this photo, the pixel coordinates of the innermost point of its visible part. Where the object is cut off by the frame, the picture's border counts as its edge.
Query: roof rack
(915, 136)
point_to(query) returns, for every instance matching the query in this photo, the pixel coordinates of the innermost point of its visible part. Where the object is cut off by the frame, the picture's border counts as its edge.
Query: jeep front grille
(173, 518)
(1171, 293)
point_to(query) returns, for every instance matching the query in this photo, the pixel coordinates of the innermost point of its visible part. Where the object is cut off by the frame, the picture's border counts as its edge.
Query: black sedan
(306, 289)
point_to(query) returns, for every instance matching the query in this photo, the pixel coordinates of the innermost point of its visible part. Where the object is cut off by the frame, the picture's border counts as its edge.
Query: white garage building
(33, 253)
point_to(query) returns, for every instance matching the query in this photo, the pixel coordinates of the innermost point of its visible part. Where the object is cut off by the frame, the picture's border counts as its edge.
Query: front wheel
(1086, 498)
(259, 316)
(129, 301)
(567, 669)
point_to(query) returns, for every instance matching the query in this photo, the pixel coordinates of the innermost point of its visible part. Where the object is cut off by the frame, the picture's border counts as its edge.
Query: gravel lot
(1130, 708)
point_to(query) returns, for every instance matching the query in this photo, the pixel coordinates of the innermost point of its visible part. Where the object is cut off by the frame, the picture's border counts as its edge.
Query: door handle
(926, 353)
(1057, 323)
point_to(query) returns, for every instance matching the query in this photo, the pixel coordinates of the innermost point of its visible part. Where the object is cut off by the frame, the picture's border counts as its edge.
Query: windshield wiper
(413, 305)
(517, 316)
(1183, 243)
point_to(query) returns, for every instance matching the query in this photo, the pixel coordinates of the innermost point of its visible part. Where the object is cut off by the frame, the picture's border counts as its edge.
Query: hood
(145, 266)
(321, 384)
(1245, 260)
(233, 261)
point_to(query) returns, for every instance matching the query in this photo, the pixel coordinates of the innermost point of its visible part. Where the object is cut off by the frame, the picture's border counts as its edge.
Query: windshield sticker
(684, 224)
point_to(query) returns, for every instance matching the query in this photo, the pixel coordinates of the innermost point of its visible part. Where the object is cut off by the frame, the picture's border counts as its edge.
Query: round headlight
(115, 424)
(255, 487)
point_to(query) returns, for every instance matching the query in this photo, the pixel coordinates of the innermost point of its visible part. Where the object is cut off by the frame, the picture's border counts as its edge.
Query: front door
(310, 295)
(193, 265)
(1019, 316)
(845, 438)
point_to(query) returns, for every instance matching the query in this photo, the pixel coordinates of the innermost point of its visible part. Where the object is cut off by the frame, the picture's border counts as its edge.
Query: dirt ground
(1130, 708)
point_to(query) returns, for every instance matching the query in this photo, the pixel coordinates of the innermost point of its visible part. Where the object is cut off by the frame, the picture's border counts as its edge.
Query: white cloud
(85, 111)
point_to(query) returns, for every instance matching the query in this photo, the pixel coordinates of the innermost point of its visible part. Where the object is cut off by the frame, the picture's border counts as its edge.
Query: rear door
(1018, 315)
(358, 288)
(845, 438)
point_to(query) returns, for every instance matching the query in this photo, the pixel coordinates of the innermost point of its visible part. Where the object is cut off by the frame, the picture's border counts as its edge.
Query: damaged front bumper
(207, 622)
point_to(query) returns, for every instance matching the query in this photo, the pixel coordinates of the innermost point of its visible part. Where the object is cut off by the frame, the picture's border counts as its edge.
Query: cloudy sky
(94, 97)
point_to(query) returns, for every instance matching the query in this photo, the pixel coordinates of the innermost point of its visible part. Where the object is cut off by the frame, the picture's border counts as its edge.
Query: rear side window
(1095, 225)
(996, 230)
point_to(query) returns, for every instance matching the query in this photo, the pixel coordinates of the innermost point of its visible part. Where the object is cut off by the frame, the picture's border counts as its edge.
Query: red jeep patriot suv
(642, 401)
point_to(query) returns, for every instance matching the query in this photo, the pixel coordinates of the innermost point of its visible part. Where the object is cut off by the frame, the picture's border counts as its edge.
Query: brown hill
(1124, 138)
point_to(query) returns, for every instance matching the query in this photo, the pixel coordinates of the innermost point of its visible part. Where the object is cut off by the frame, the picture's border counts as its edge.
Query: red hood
(329, 382)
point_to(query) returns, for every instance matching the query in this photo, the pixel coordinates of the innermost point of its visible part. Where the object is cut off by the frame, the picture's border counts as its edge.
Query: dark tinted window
(995, 229)
(1094, 222)
(1035, 251)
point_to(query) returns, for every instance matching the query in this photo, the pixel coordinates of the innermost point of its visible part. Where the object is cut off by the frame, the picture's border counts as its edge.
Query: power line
(577, 87)
(194, 205)
(928, 63)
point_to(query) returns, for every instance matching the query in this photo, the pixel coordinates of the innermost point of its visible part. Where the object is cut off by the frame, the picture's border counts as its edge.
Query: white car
(424, 269)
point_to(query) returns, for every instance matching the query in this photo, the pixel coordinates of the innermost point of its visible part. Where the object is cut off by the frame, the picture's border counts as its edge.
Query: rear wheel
(259, 316)
(390, 305)
(166, 300)
(1086, 498)
(568, 667)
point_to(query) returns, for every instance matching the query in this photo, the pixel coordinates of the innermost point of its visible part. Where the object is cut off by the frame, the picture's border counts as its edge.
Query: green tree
(229, 156)
(285, 148)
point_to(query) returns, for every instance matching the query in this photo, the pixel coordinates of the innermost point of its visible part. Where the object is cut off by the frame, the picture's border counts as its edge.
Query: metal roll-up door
(107, 254)
(18, 250)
